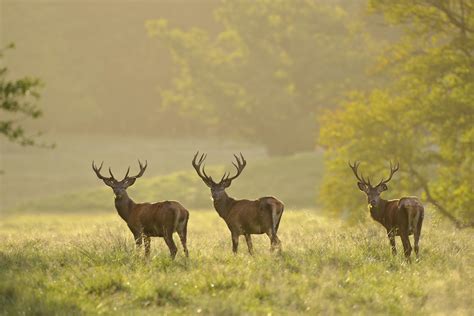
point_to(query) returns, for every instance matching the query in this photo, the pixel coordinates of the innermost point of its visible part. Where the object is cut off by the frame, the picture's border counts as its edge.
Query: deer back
(253, 216)
(155, 219)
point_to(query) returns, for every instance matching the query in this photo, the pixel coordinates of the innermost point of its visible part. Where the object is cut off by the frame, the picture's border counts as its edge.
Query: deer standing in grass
(401, 217)
(147, 220)
(243, 217)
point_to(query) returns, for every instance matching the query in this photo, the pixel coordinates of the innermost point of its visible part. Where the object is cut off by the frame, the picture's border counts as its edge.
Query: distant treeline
(258, 71)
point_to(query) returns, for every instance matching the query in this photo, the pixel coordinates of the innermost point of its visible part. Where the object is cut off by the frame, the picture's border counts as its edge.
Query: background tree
(18, 101)
(268, 72)
(424, 119)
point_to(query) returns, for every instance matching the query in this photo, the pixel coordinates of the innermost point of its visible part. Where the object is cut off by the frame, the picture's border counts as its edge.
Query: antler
(140, 173)
(97, 172)
(197, 167)
(392, 171)
(361, 178)
(241, 163)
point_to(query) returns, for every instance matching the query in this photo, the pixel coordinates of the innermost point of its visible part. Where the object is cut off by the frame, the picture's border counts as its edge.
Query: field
(63, 249)
(87, 264)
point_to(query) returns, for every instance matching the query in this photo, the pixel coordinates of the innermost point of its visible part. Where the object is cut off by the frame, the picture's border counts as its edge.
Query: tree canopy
(18, 101)
(269, 71)
(423, 119)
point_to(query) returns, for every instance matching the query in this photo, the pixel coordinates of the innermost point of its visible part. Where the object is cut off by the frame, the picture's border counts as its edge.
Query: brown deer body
(243, 217)
(147, 220)
(401, 217)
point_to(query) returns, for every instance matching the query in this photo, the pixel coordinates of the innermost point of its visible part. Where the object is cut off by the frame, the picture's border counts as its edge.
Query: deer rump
(407, 211)
(256, 217)
(171, 216)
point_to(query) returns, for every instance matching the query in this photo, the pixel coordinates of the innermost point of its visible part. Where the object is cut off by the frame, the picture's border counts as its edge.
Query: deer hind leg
(171, 245)
(248, 239)
(275, 242)
(417, 234)
(182, 233)
(406, 243)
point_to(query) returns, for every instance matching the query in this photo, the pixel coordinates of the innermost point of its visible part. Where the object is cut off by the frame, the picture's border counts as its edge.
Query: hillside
(293, 179)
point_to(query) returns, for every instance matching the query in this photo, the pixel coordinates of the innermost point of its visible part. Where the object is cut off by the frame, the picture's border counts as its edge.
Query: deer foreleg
(147, 242)
(235, 243)
(391, 237)
(138, 240)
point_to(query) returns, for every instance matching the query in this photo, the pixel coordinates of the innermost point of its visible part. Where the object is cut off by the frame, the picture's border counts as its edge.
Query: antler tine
(94, 167)
(197, 167)
(107, 180)
(240, 166)
(354, 170)
(392, 172)
(204, 173)
(203, 157)
(110, 171)
(142, 169)
(126, 174)
(97, 170)
(368, 179)
(243, 159)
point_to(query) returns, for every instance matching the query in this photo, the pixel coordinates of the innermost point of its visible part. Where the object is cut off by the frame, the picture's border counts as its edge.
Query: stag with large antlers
(243, 217)
(401, 217)
(147, 220)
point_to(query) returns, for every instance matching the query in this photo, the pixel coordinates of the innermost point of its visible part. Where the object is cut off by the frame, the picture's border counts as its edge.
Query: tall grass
(83, 264)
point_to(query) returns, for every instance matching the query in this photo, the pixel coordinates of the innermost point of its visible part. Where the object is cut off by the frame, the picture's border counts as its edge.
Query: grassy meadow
(64, 250)
(87, 264)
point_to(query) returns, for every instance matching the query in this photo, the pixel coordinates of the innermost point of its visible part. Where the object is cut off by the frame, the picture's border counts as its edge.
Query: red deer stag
(401, 217)
(243, 217)
(147, 220)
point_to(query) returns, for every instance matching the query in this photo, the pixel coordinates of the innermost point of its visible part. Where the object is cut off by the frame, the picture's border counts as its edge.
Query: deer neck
(223, 204)
(378, 212)
(124, 205)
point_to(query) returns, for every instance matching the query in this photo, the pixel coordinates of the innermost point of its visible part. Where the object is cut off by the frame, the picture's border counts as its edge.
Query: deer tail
(280, 213)
(414, 222)
(176, 218)
(413, 214)
(276, 216)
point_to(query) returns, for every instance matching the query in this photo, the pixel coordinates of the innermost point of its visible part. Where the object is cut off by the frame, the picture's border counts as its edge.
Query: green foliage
(292, 179)
(18, 100)
(424, 119)
(83, 264)
(266, 75)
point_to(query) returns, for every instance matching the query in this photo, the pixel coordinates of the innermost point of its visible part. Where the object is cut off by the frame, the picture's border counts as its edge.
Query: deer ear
(362, 186)
(227, 183)
(382, 187)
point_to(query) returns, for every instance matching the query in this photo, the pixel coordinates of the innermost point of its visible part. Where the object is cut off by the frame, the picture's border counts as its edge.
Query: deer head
(372, 192)
(119, 187)
(218, 188)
